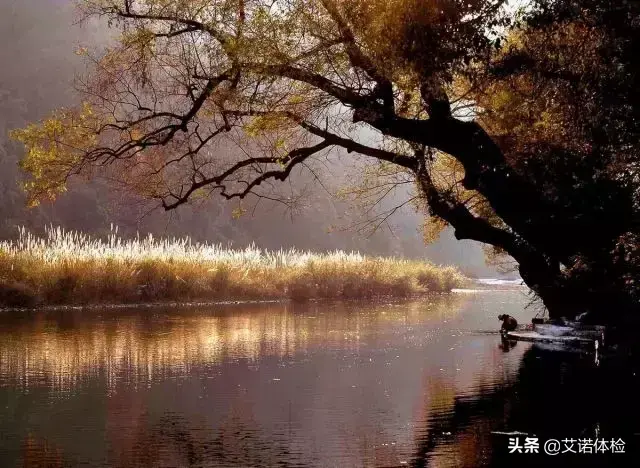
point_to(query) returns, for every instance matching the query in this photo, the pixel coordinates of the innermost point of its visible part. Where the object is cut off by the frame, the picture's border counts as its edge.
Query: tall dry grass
(66, 267)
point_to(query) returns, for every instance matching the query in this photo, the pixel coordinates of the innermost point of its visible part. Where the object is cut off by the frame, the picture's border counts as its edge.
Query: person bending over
(508, 323)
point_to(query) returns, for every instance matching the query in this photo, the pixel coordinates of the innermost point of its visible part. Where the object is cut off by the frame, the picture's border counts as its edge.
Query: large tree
(518, 130)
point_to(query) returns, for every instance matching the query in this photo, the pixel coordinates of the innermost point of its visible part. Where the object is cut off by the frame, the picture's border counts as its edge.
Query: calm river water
(418, 383)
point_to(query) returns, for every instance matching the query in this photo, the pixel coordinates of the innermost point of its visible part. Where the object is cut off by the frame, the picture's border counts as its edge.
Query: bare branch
(292, 159)
(346, 143)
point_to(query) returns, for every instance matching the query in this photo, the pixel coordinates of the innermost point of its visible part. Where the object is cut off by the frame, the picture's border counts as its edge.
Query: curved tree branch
(292, 159)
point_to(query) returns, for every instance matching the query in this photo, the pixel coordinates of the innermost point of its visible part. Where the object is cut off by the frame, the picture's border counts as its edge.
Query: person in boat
(508, 323)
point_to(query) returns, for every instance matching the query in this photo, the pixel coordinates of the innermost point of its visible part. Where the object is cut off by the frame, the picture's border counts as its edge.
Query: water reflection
(507, 344)
(60, 349)
(556, 395)
(422, 383)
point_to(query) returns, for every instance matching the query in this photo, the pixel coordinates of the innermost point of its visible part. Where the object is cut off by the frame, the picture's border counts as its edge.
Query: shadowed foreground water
(421, 383)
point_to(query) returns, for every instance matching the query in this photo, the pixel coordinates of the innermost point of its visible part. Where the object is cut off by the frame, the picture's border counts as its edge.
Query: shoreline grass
(71, 268)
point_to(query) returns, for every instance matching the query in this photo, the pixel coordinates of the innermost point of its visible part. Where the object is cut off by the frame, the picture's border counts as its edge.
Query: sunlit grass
(66, 267)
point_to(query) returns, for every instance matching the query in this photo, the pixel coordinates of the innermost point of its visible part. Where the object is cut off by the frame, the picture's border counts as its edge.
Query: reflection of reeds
(72, 268)
(66, 352)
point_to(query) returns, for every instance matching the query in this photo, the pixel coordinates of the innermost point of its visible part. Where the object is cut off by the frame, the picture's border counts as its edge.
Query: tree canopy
(519, 130)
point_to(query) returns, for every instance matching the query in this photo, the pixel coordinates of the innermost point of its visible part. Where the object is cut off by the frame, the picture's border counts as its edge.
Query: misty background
(37, 66)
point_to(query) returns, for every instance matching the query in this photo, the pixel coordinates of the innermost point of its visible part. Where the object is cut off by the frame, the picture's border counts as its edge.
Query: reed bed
(68, 267)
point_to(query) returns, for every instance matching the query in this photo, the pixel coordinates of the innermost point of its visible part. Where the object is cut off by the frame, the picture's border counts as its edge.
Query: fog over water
(38, 40)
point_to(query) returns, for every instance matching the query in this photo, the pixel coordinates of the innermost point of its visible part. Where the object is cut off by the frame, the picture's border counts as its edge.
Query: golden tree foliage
(55, 150)
(229, 96)
(189, 78)
(520, 109)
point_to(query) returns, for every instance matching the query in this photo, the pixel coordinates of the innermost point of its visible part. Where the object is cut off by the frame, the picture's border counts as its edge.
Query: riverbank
(70, 268)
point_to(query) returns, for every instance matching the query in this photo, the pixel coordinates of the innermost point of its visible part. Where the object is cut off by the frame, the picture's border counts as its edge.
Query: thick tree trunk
(514, 198)
(598, 293)
(541, 235)
(551, 288)
(564, 294)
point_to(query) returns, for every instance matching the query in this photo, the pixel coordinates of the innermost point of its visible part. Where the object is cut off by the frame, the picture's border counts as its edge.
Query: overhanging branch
(292, 159)
(346, 143)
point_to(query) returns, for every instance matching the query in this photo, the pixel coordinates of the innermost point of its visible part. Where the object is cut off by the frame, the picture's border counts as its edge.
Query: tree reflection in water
(557, 394)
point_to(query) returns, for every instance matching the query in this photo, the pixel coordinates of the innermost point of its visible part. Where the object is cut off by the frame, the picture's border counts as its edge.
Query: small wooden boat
(570, 333)
(534, 336)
